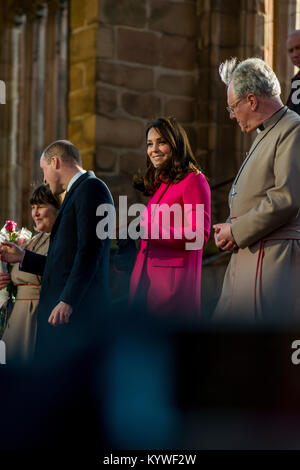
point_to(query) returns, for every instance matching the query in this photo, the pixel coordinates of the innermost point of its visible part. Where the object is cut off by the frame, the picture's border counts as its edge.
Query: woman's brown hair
(176, 167)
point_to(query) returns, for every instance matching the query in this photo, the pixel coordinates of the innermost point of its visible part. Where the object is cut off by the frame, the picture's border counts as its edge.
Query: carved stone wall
(84, 31)
(33, 64)
(226, 29)
(117, 65)
(146, 67)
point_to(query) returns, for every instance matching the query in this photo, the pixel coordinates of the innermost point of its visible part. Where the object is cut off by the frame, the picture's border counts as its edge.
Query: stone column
(10, 199)
(82, 78)
(35, 107)
(225, 29)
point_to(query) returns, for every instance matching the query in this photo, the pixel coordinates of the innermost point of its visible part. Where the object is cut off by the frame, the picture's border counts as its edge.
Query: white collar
(75, 177)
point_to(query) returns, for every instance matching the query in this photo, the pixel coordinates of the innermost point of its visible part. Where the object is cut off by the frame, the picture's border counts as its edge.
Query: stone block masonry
(146, 68)
(85, 36)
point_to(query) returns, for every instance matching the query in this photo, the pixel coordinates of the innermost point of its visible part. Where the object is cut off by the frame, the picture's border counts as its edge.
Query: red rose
(10, 226)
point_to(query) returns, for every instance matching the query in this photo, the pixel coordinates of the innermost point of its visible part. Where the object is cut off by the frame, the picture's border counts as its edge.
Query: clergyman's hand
(11, 253)
(223, 237)
(60, 314)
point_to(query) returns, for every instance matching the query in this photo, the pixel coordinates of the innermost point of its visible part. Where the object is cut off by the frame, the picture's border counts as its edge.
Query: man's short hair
(63, 149)
(250, 76)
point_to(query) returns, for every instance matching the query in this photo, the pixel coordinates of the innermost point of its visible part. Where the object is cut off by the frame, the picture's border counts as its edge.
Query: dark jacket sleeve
(33, 263)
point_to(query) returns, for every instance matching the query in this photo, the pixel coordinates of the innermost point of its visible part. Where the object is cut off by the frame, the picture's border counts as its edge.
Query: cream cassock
(262, 280)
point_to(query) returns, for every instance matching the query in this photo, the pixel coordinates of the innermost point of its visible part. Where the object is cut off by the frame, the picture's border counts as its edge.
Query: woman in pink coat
(175, 224)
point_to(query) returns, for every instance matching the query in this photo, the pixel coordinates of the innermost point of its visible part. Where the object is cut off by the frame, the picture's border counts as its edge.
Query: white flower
(4, 295)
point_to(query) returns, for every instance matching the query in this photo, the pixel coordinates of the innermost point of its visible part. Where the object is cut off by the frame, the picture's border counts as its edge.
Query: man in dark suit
(293, 49)
(61, 407)
(75, 293)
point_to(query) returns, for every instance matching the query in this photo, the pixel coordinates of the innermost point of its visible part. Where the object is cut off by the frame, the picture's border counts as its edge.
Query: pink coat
(167, 275)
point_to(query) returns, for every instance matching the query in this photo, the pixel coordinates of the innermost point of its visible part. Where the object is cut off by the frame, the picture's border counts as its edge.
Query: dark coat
(75, 271)
(293, 101)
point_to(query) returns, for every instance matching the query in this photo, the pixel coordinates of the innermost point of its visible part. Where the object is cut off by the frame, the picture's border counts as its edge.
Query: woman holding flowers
(20, 333)
(21, 237)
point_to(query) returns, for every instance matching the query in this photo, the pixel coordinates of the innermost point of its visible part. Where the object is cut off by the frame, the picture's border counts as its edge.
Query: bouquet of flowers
(8, 233)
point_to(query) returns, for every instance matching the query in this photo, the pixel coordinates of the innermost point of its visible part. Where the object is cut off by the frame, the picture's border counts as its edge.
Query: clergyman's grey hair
(250, 76)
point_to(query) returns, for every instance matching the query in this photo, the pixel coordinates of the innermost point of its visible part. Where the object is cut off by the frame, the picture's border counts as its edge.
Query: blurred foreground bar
(153, 383)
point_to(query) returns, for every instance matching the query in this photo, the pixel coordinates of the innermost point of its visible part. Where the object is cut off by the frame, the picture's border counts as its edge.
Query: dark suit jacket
(75, 270)
(293, 101)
